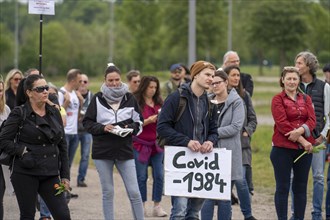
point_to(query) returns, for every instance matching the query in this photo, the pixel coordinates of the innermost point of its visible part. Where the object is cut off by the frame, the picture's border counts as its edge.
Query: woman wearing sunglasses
(40, 153)
(12, 81)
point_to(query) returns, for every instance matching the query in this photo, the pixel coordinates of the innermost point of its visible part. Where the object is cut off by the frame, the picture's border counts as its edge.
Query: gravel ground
(88, 206)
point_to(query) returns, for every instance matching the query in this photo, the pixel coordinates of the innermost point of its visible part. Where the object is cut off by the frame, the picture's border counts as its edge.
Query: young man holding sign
(195, 128)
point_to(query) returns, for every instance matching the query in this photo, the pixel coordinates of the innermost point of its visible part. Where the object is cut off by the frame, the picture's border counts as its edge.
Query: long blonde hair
(3, 98)
(10, 75)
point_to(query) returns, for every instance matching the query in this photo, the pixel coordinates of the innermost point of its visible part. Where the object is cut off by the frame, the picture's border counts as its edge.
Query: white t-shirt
(4, 114)
(71, 111)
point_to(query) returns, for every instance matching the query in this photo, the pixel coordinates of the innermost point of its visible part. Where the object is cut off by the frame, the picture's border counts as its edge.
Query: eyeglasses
(234, 61)
(83, 81)
(136, 81)
(40, 89)
(216, 83)
(17, 79)
(179, 70)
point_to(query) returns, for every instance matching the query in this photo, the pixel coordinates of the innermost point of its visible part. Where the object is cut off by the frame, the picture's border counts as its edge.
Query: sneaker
(81, 184)
(158, 211)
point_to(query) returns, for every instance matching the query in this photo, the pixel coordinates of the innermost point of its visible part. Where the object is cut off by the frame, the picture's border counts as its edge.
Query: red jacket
(288, 115)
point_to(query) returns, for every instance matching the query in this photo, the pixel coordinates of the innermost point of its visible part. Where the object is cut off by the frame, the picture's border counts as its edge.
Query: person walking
(195, 129)
(114, 106)
(39, 163)
(294, 119)
(146, 151)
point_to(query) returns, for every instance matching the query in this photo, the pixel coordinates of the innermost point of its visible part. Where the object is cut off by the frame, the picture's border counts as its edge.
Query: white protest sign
(44, 7)
(193, 174)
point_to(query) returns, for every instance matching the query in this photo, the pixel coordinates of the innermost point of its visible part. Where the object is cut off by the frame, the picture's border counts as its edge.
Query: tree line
(150, 35)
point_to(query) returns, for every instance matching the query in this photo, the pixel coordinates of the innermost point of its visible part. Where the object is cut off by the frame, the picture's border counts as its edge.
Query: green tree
(279, 25)
(6, 48)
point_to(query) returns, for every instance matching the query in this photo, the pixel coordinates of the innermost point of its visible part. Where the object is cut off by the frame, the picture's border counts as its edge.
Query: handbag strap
(23, 113)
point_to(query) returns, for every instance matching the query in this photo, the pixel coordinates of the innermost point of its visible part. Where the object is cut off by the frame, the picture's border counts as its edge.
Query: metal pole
(111, 29)
(230, 15)
(16, 36)
(192, 33)
(40, 46)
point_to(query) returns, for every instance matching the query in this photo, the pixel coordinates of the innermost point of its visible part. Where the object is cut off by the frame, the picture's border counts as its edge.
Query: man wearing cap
(177, 78)
(195, 129)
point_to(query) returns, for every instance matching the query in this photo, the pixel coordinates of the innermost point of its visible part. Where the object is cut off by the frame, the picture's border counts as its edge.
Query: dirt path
(88, 206)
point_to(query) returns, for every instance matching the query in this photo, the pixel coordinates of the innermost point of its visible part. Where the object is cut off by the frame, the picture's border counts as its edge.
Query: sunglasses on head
(40, 89)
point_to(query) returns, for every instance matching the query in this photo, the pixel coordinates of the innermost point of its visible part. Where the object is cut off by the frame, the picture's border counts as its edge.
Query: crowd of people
(217, 113)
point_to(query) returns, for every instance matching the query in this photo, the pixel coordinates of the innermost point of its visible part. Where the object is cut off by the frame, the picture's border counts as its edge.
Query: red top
(149, 131)
(289, 115)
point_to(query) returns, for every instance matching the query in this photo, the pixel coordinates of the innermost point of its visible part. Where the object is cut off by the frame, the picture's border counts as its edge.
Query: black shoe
(250, 218)
(81, 184)
(234, 199)
(73, 196)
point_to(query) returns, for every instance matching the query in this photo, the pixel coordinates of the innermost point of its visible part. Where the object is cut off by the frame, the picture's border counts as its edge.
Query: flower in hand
(60, 187)
(315, 150)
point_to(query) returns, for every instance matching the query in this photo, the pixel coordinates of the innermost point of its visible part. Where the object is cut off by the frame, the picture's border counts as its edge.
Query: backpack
(5, 158)
(182, 105)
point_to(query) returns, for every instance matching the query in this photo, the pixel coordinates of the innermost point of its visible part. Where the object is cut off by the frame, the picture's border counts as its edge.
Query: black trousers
(2, 192)
(282, 160)
(27, 188)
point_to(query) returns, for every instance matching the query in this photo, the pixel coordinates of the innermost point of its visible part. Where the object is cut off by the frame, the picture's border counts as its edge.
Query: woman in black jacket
(114, 106)
(40, 154)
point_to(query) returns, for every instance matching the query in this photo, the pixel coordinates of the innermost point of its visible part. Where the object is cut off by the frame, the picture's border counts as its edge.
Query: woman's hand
(66, 183)
(307, 146)
(108, 127)
(295, 134)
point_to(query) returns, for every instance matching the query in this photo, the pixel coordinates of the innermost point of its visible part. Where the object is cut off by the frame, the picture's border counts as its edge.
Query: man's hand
(207, 147)
(319, 140)
(194, 145)
(108, 127)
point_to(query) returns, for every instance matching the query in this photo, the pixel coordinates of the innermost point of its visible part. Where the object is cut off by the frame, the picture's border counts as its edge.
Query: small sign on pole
(42, 7)
(192, 174)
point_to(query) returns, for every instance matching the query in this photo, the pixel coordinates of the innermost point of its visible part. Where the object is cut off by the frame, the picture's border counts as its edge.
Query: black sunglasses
(40, 89)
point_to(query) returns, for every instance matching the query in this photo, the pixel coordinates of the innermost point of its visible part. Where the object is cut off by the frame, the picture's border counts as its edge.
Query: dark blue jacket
(180, 133)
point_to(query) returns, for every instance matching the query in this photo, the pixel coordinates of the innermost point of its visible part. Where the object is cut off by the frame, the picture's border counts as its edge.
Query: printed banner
(44, 7)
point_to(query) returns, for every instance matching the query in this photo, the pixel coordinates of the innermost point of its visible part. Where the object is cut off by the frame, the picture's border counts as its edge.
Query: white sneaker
(158, 211)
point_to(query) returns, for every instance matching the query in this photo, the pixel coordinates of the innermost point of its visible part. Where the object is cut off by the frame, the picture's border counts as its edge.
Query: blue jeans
(243, 196)
(85, 146)
(224, 209)
(185, 208)
(282, 160)
(318, 163)
(44, 211)
(72, 140)
(127, 171)
(157, 174)
(327, 200)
